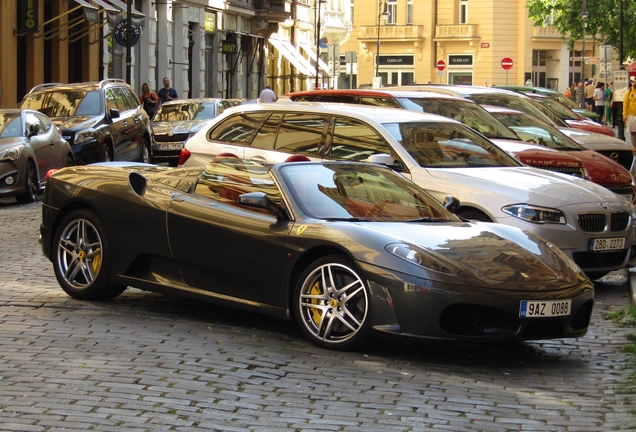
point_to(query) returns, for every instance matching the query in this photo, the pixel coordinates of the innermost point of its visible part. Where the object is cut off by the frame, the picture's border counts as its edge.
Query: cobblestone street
(150, 362)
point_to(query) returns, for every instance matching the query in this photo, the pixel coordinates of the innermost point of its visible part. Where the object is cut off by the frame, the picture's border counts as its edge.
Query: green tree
(603, 22)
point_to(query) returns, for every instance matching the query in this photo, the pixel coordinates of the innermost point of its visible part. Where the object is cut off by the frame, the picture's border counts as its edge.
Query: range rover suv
(103, 121)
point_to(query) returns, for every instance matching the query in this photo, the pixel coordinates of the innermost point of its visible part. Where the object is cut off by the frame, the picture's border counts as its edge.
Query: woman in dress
(149, 99)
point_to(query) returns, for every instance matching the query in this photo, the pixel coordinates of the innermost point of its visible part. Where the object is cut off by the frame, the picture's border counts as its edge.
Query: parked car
(600, 169)
(176, 121)
(605, 144)
(30, 146)
(592, 225)
(556, 110)
(102, 121)
(463, 110)
(554, 95)
(348, 250)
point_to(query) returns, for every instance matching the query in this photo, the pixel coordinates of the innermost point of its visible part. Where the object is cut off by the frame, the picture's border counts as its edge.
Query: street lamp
(317, 4)
(584, 16)
(382, 13)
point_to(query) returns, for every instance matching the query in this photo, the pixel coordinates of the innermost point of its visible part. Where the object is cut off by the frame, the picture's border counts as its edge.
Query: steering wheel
(378, 208)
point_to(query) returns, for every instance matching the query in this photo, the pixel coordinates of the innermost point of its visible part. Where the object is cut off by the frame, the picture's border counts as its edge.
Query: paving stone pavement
(149, 362)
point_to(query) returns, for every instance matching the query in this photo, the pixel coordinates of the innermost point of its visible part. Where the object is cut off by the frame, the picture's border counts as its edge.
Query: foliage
(603, 22)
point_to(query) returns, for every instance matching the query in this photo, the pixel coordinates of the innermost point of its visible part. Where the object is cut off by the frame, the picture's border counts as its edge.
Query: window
(409, 12)
(237, 129)
(266, 136)
(302, 134)
(463, 11)
(539, 57)
(575, 55)
(392, 9)
(356, 141)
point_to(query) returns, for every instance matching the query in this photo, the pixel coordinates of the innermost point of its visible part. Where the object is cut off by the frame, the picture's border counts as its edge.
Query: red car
(600, 169)
(555, 110)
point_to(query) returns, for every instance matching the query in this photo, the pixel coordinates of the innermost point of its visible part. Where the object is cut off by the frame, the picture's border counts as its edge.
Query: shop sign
(28, 16)
(397, 60)
(460, 60)
(228, 47)
(210, 22)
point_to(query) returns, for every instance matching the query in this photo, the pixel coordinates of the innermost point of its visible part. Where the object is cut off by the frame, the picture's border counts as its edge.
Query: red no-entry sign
(506, 63)
(441, 65)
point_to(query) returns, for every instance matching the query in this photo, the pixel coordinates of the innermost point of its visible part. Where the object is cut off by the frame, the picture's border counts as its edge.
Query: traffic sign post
(441, 65)
(506, 64)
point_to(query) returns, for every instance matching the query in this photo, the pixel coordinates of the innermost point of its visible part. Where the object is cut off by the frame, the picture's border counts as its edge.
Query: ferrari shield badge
(301, 229)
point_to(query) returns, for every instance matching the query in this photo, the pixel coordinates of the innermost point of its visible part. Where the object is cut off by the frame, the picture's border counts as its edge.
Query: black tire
(81, 257)
(145, 151)
(474, 215)
(596, 275)
(70, 161)
(32, 185)
(332, 304)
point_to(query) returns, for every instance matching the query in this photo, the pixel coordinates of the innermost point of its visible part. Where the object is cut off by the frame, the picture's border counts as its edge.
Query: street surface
(150, 362)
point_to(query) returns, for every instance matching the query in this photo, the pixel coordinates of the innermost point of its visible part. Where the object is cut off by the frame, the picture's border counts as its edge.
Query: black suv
(103, 121)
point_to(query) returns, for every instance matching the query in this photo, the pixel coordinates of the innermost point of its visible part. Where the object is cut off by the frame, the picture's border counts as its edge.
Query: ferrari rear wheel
(332, 303)
(81, 257)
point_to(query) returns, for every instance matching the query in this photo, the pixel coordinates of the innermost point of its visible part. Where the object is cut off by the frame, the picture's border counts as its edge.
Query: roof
(386, 93)
(377, 114)
(193, 100)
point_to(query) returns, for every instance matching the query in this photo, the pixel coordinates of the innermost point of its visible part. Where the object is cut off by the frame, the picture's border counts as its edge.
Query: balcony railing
(392, 32)
(545, 32)
(459, 31)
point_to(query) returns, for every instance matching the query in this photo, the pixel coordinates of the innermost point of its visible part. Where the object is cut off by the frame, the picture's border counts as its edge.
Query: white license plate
(541, 309)
(605, 244)
(176, 146)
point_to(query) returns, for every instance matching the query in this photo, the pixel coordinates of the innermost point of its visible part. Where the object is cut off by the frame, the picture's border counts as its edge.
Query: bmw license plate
(541, 309)
(172, 146)
(608, 244)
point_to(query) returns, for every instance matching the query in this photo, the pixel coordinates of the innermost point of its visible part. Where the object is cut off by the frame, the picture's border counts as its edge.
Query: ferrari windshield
(185, 111)
(447, 145)
(342, 191)
(533, 130)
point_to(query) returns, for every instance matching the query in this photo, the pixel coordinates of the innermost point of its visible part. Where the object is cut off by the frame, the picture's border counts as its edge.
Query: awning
(312, 58)
(292, 54)
(123, 7)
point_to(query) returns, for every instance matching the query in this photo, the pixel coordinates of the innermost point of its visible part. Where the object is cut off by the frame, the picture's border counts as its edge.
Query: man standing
(268, 95)
(167, 93)
(589, 95)
(579, 95)
(629, 113)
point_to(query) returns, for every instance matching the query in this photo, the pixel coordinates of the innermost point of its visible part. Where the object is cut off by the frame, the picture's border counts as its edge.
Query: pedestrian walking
(580, 95)
(629, 113)
(599, 100)
(167, 93)
(268, 95)
(149, 100)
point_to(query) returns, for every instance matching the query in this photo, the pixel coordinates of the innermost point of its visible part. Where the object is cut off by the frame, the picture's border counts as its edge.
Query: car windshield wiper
(349, 219)
(427, 219)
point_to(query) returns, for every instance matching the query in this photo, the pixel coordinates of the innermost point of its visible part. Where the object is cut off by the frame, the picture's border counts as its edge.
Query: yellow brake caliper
(97, 262)
(316, 313)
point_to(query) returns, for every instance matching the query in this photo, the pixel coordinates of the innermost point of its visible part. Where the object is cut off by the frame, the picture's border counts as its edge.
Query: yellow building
(471, 39)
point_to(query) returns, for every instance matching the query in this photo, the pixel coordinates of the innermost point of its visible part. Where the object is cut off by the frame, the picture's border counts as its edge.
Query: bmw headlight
(535, 214)
(421, 257)
(84, 136)
(12, 153)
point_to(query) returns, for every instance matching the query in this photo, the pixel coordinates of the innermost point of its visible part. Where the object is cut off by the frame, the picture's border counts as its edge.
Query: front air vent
(592, 222)
(620, 221)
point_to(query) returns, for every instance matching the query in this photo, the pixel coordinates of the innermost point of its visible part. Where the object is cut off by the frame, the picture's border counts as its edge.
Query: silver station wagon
(593, 226)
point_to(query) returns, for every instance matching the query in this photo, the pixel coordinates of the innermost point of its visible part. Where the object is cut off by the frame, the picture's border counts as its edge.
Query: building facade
(233, 48)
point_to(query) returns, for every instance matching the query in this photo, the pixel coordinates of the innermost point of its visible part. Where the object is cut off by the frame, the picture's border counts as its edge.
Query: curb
(632, 284)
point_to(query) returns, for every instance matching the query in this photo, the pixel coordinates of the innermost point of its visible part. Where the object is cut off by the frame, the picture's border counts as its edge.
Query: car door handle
(259, 159)
(178, 197)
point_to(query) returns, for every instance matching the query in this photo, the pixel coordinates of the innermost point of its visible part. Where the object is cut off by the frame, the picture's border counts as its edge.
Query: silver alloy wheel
(333, 303)
(31, 185)
(79, 256)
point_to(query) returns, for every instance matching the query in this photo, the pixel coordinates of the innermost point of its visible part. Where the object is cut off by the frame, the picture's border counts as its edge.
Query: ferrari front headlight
(535, 214)
(12, 153)
(421, 257)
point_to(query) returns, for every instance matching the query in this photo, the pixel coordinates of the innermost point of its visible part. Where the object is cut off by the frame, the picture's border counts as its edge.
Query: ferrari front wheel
(332, 303)
(81, 259)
